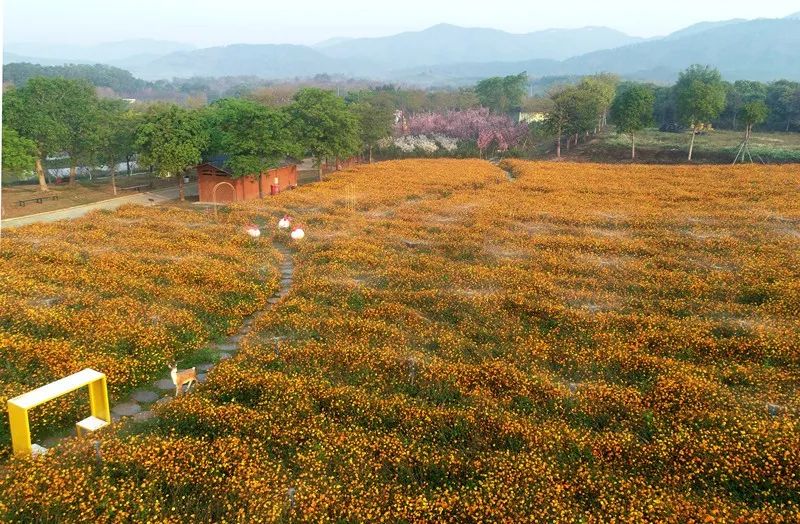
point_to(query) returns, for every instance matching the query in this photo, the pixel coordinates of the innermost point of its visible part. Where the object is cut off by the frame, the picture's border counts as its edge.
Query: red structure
(229, 189)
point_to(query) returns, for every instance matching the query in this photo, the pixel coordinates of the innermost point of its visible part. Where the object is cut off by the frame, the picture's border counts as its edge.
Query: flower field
(568, 343)
(122, 292)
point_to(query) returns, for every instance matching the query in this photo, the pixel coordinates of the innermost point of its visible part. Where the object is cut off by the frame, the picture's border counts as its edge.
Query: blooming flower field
(124, 293)
(581, 343)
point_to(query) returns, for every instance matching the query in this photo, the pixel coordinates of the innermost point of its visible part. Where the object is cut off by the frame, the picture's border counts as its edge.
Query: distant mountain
(764, 49)
(755, 50)
(701, 27)
(794, 16)
(9, 58)
(331, 41)
(99, 53)
(264, 60)
(445, 43)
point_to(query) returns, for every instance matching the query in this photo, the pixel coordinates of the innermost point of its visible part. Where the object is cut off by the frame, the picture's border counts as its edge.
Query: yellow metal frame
(18, 407)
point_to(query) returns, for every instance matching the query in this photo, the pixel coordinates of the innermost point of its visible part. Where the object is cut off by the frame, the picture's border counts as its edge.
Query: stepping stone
(227, 347)
(126, 409)
(201, 377)
(49, 442)
(224, 356)
(775, 409)
(144, 415)
(37, 450)
(235, 338)
(273, 300)
(205, 367)
(163, 400)
(165, 384)
(144, 395)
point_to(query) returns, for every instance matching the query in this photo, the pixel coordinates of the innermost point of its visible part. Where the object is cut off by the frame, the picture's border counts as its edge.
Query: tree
(783, 99)
(323, 125)
(559, 117)
(375, 122)
(80, 111)
(753, 113)
(34, 112)
(738, 94)
(700, 96)
(19, 153)
(172, 139)
(252, 137)
(632, 111)
(116, 135)
(502, 94)
(602, 88)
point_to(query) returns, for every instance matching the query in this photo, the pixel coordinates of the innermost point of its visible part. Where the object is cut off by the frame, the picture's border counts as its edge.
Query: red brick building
(229, 189)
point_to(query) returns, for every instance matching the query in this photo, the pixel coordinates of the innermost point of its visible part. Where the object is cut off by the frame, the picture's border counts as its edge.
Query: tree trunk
(40, 174)
(558, 143)
(261, 185)
(633, 147)
(319, 163)
(128, 164)
(73, 171)
(691, 144)
(113, 169)
(370, 154)
(180, 187)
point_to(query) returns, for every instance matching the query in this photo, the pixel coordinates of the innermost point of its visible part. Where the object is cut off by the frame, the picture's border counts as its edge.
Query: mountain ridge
(762, 49)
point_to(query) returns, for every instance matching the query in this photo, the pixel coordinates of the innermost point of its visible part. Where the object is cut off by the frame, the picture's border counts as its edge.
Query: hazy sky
(218, 22)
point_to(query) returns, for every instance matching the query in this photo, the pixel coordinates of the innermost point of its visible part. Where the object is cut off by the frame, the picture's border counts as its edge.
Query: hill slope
(754, 50)
(445, 43)
(267, 60)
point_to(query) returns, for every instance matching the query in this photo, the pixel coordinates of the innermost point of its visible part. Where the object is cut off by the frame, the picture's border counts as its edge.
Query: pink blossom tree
(473, 125)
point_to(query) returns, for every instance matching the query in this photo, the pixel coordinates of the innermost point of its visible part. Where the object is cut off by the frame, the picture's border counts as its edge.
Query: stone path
(138, 405)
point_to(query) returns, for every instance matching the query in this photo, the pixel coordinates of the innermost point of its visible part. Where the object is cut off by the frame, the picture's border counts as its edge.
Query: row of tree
(54, 116)
(699, 97)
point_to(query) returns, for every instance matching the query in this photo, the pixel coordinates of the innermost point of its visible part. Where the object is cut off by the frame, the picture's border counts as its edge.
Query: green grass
(718, 146)
(202, 356)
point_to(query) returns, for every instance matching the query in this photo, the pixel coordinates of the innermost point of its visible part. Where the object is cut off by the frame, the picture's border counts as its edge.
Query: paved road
(148, 198)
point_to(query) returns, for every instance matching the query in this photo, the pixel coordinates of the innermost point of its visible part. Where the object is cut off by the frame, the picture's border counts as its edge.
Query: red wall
(245, 187)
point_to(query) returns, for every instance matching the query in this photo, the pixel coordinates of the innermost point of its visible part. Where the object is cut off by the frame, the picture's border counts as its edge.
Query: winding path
(138, 404)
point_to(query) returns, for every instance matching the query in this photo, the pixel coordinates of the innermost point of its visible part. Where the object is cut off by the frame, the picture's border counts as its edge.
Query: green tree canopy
(502, 94)
(632, 111)
(80, 111)
(172, 139)
(751, 114)
(19, 153)
(783, 99)
(116, 135)
(44, 111)
(324, 125)
(600, 89)
(375, 122)
(700, 96)
(252, 137)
